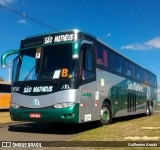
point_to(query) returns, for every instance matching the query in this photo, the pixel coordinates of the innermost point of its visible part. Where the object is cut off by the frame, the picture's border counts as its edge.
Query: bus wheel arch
(108, 101)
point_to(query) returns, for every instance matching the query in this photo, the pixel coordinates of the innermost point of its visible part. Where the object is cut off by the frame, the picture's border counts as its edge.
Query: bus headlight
(64, 105)
(16, 106)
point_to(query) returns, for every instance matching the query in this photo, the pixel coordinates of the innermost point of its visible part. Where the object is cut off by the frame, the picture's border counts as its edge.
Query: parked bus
(5, 94)
(73, 77)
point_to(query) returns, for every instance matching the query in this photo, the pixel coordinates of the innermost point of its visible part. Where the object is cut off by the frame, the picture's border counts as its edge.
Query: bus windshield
(48, 63)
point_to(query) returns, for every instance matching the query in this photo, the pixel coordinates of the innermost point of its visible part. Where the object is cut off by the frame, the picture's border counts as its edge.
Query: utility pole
(107, 35)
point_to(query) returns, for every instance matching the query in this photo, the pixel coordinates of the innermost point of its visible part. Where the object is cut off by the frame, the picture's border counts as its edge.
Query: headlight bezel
(64, 105)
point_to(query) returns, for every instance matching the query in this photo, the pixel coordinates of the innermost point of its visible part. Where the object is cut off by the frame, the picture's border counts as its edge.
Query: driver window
(87, 71)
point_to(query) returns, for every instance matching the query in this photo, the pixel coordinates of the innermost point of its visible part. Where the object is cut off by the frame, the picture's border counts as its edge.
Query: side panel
(127, 97)
(89, 102)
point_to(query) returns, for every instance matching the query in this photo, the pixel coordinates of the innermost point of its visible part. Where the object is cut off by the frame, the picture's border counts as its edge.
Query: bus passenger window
(99, 55)
(130, 69)
(117, 63)
(105, 58)
(146, 77)
(87, 71)
(138, 73)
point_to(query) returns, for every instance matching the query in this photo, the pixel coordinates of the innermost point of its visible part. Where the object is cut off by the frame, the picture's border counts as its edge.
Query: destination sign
(59, 38)
(50, 38)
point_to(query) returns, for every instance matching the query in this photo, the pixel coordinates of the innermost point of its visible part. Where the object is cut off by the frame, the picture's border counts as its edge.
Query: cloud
(6, 2)
(148, 45)
(136, 46)
(22, 21)
(155, 43)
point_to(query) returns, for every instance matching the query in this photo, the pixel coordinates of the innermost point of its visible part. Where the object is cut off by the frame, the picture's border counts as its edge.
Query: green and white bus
(73, 77)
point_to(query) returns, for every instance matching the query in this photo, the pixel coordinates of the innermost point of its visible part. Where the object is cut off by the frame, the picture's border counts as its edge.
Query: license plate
(35, 115)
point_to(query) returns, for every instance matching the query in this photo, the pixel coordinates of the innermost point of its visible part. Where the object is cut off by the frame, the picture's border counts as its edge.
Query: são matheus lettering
(59, 38)
(38, 89)
(64, 38)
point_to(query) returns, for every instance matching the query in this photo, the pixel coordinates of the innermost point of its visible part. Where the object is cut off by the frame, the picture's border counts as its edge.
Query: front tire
(106, 114)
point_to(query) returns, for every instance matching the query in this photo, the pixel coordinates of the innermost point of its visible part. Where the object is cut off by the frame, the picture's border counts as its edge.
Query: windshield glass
(48, 63)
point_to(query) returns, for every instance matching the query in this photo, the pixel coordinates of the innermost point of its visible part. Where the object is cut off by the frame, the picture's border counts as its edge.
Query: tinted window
(101, 56)
(110, 59)
(146, 77)
(152, 80)
(138, 73)
(105, 58)
(155, 81)
(88, 60)
(119, 63)
(87, 66)
(130, 69)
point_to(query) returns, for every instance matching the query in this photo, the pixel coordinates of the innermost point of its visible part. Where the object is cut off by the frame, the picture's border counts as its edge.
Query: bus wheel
(106, 114)
(147, 109)
(151, 109)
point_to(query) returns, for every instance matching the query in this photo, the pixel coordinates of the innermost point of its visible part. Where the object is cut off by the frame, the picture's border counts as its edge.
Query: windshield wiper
(29, 73)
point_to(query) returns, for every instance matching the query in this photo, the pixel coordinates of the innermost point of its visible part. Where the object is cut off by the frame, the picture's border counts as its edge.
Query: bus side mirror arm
(5, 55)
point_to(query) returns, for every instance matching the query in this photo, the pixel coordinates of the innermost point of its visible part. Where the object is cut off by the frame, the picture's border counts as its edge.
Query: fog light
(70, 115)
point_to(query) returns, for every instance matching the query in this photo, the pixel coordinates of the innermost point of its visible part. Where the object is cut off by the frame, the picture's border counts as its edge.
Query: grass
(122, 129)
(5, 117)
(134, 129)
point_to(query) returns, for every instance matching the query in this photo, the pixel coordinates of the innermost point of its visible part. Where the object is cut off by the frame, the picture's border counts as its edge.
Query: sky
(133, 25)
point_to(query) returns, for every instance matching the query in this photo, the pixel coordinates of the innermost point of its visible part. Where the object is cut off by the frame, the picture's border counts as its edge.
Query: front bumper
(68, 115)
